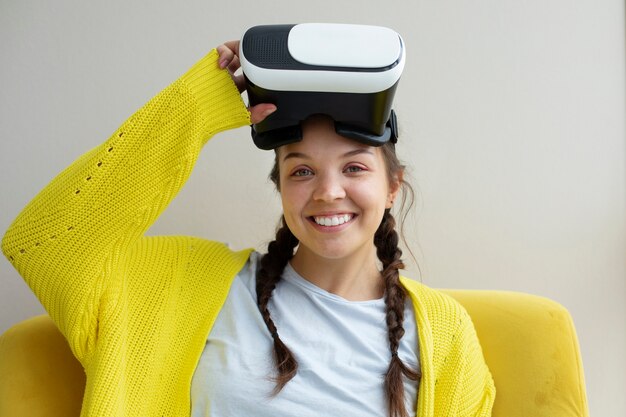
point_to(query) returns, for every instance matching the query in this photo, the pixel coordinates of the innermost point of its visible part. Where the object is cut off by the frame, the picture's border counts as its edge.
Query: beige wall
(512, 116)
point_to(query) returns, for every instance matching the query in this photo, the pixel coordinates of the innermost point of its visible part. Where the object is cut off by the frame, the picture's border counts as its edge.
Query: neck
(352, 279)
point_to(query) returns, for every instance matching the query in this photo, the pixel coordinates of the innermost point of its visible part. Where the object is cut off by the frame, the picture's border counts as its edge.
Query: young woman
(180, 326)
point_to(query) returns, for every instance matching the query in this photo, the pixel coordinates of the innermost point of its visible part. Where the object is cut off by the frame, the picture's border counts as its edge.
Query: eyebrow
(345, 155)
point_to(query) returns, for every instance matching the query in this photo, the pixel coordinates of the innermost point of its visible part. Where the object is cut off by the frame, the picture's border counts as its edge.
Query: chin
(331, 250)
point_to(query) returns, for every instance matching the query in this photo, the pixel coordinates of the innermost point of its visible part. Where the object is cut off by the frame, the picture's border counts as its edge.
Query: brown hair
(281, 249)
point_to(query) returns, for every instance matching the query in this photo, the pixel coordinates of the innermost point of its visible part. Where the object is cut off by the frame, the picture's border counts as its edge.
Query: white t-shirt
(341, 347)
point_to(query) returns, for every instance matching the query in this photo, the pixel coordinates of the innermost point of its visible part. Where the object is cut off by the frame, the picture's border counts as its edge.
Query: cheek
(372, 195)
(292, 199)
(293, 203)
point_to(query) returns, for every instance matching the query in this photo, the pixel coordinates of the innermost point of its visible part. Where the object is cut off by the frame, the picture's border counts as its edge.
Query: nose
(328, 188)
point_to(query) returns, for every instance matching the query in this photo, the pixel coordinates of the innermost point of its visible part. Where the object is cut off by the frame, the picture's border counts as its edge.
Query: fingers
(229, 59)
(259, 112)
(239, 79)
(234, 64)
(233, 46)
(227, 52)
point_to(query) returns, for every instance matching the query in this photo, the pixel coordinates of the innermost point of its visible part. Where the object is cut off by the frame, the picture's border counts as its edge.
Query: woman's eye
(354, 168)
(302, 172)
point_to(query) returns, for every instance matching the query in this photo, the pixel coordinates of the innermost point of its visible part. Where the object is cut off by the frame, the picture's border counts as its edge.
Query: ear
(394, 187)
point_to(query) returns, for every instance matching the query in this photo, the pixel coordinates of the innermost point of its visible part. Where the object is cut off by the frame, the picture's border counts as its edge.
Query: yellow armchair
(531, 348)
(529, 343)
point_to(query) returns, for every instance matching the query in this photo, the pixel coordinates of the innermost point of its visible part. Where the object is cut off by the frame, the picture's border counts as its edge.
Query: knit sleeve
(67, 241)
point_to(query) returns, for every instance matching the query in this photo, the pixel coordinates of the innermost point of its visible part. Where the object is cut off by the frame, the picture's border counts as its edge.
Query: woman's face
(334, 192)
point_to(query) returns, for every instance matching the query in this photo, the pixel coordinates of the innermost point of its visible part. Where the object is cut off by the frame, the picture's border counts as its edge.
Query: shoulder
(191, 252)
(437, 305)
(189, 271)
(443, 320)
(187, 244)
(219, 254)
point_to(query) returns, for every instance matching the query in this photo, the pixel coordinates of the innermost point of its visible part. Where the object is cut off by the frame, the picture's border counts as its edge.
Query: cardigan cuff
(216, 95)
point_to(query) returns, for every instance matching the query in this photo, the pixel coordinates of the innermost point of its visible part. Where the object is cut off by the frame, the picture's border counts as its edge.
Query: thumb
(259, 112)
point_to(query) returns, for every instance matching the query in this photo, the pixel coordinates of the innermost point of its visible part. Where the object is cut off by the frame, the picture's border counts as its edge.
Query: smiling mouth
(330, 221)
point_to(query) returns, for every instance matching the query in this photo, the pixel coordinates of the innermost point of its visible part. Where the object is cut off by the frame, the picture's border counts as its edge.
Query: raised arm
(67, 241)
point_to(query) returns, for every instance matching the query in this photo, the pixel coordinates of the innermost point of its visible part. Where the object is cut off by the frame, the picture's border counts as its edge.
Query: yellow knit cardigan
(137, 310)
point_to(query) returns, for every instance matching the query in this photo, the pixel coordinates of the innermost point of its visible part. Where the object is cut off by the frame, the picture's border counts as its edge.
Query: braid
(273, 263)
(386, 241)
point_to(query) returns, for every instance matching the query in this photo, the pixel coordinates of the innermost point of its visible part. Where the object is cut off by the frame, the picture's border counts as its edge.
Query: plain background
(512, 118)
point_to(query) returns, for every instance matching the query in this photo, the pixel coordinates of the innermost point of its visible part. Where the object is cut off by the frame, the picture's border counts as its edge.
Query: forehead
(319, 140)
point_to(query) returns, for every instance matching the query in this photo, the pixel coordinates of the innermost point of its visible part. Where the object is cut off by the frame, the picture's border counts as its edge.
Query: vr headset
(348, 72)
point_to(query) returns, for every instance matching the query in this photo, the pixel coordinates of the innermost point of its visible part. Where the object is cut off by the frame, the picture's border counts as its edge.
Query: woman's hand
(229, 58)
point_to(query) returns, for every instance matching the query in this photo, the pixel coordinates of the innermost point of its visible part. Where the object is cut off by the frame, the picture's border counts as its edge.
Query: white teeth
(333, 220)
